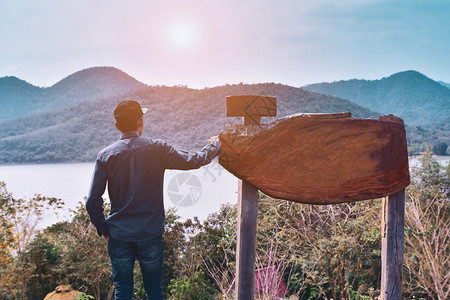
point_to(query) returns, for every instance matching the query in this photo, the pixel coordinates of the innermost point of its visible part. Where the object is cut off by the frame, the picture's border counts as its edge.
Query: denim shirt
(133, 168)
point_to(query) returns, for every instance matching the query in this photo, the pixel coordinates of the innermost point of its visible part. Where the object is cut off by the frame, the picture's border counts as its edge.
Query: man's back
(134, 169)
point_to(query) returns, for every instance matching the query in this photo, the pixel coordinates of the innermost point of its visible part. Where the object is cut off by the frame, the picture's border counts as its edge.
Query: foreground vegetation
(321, 252)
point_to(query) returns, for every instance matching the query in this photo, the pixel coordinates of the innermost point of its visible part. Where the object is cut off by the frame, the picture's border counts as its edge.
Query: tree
(44, 258)
(85, 260)
(440, 148)
(277, 250)
(218, 241)
(20, 219)
(6, 225)
(174, 246)
(199, 254)
(194, 287)
(324, 250)
(427, 236)
(328, 251)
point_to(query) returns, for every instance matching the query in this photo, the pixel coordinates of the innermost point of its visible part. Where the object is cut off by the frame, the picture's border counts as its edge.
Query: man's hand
(214, 138)
(103, 231)
(105, 236)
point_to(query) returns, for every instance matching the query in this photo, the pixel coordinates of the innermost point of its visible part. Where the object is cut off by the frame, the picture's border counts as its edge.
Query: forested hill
(445, 84)
(410, 95)
(182, 116)
(72, 120)
(19, 98)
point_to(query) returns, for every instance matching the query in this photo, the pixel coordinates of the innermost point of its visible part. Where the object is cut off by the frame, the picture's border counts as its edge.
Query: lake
(193, 193)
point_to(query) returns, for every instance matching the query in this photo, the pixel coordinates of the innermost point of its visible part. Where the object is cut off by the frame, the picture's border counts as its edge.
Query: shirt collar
(129, 135)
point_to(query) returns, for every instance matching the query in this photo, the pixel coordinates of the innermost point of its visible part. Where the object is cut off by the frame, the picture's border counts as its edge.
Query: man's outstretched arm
(94, 202)
(183, 160)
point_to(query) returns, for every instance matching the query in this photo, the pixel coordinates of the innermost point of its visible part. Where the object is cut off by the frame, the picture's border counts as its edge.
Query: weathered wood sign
(316, 159)
(319, 158)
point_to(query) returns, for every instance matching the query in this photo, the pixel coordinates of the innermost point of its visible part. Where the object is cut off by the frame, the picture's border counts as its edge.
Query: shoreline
(417, 156)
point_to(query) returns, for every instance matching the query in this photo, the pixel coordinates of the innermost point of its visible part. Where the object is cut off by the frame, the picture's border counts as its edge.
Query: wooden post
(392, 246)
(246, 240)
(252, 108)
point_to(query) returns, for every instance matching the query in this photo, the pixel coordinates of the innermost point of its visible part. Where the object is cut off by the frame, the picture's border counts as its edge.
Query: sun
(182, 35)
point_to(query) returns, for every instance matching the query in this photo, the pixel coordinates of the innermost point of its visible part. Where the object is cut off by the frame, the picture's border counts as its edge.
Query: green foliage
(7, 208)
(440, 148)
(84, 296)
(85, 261)
(44, 257)
(174, 246)
(192, 247)
(195, 287)
(20, 218)
(325, 248)
(429, 178)
(427, 231)
(355, 295)
(436, 134)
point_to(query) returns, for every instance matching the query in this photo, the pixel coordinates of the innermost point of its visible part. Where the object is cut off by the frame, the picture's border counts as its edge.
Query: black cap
(128, 109)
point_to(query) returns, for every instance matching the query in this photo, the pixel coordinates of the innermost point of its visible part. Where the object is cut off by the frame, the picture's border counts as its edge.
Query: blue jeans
(150, 256)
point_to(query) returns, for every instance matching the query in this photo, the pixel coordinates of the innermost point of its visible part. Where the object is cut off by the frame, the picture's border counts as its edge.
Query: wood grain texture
(246, 240)
(319, 158)
(251, 105)
(392, 246)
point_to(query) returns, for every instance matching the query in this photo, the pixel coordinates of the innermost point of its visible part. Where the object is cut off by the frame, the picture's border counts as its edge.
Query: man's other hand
(214, 138)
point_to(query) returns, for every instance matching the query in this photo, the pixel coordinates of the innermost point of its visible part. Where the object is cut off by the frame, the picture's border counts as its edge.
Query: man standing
(133, 167)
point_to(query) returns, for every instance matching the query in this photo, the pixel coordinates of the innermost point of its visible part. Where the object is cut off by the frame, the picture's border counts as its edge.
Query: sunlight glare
(182, 35)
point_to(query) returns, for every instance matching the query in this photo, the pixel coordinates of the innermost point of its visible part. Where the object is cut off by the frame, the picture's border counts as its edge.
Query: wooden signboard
(315, 159)
(319, 158)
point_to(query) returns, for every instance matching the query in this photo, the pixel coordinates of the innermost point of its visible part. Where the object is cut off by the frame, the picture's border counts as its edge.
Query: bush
(440, 149)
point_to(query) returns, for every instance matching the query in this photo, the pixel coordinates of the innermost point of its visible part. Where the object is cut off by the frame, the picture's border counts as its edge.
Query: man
(133, 167)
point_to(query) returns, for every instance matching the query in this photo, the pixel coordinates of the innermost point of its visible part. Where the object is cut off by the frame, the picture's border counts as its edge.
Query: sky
(209, 43)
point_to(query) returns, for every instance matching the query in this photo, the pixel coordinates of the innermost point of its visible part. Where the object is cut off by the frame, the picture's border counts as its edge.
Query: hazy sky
(210, 43)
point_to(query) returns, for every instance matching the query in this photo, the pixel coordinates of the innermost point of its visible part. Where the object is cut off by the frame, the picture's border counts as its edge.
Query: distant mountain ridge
(72, 120)
(410, 95)
(19, 98)
(12, 84)
(447, 85)
(181, 116)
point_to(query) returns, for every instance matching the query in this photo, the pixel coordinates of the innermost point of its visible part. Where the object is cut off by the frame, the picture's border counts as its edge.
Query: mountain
(181, 116)
(410, 95)
(72, 120)
(445, 84)
(19, 98)
(15, 96)
(94, 83)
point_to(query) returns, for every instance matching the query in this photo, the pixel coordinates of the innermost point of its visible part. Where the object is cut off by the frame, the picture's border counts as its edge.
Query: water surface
(193, 193)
